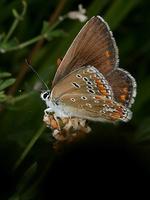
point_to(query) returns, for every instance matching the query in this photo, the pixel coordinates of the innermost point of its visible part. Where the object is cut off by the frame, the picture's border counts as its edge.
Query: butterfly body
(88, 84)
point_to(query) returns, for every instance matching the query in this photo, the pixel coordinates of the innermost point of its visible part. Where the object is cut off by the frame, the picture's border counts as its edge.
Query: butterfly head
(45, 95)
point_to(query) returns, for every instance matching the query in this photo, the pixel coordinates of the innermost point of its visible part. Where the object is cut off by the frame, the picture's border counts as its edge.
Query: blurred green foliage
(32, 30)
(5, 83)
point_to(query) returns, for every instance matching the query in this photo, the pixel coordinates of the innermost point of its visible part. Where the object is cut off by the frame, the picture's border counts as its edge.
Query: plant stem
(18, 18)
(24, 44)
(37, 182)
(28, 147)
(11, 30)
(19, 98)
(57, 23)
(29, 42)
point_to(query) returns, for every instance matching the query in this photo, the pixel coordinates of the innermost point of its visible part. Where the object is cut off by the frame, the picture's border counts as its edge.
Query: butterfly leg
(47, 111)
(57, 120)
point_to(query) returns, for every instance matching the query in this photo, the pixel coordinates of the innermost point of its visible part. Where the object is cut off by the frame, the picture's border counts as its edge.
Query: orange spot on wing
(115, 116)
(123, 97)
(104, 92)
(119, 109)
(101, 87)
(97, 81)
(107, 54)
(97, 97)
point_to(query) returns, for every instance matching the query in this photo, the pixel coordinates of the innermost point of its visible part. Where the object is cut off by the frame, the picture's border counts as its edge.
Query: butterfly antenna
(36, 74)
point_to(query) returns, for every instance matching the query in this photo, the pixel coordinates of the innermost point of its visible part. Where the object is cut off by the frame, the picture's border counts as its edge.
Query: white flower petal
(81, 9)
(79, 15)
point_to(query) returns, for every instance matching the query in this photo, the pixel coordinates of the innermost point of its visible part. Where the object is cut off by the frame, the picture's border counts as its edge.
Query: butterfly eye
(45, 95)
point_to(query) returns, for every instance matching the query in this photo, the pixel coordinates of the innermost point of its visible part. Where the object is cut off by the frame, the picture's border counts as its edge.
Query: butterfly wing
(101, 109)
(123, 86)
(94, 45)
(87, 79)
(85, 93)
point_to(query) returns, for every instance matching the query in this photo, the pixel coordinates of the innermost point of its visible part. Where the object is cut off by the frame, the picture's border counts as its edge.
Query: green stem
(24, 44)
(57, 23)
(19, 98)
(18, 18)
(28, 147)
(29, 42)
(11, 30)
(40, 178)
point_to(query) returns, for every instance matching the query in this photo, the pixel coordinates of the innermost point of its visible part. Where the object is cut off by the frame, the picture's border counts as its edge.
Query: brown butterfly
(88, 83)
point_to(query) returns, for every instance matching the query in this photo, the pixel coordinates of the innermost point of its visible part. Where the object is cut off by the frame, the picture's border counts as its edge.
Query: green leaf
(20, 16)
(16, 15)
(7, 83)
(6, 46)
(120, 9)
(49, 33)
(56, 33)
(3, 97)
(26, 178)
(45, 27)
(2, 35)
(4, 74)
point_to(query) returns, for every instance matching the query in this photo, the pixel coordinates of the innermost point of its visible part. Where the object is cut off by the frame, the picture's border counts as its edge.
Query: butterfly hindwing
(94, 45)
(123, 86)
(97, 109)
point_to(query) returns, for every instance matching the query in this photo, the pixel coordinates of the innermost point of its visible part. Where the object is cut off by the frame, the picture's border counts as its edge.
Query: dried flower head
(66, 129)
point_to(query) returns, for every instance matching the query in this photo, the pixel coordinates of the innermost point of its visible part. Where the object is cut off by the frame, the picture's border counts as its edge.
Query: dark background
(112, 158)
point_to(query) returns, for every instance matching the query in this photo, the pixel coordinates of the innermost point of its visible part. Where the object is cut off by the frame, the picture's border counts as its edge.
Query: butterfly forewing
(94, 45)
(123, 86)
(86, 80)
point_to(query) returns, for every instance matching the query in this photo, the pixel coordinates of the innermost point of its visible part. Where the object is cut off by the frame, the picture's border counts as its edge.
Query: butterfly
(88, 83)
